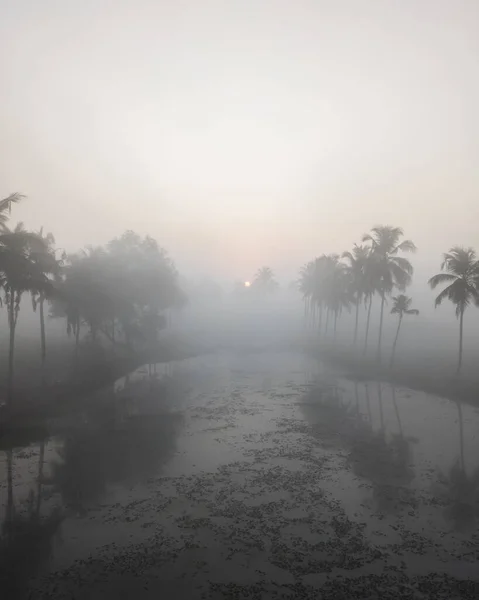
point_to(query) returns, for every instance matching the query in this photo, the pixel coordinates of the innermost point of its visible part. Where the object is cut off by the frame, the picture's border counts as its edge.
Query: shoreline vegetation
(114, 299)
(371, 274)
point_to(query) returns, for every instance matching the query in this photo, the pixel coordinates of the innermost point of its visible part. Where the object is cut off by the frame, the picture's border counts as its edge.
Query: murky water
(246, 475)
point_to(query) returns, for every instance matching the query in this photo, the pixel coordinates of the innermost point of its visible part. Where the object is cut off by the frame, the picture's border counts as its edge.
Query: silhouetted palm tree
(306, 287)
(369, 291)
(16, 277)
(338, 288)
(390, 270)
(357, 272)
(401, 307)
(264, 280)
(45, 265)
(461, 270)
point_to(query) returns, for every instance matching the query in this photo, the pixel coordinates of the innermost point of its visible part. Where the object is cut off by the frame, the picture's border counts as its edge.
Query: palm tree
(369, 291)
(306, 287)
(389, 269)
(357, 272)
(312, 284)
(264, 279)
(461, 270)
(42, 255)
(6, 207)
(401, 307)
(16, 277)
(337, 290)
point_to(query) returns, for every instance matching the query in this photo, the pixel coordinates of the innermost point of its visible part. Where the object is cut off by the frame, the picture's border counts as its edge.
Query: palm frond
(447, 293)
(406, 246)
(441, 278)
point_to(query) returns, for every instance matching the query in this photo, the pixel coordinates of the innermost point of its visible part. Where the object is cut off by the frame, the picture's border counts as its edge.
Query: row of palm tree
(332, 283)
(120, 291)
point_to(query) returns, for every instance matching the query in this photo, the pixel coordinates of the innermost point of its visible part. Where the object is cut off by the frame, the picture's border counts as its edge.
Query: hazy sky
(243, 132)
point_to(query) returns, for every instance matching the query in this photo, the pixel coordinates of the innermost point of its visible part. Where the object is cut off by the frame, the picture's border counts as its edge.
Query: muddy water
(246, 475)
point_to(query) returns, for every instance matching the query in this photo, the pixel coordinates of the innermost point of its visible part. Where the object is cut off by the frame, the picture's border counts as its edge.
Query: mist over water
(239, 291)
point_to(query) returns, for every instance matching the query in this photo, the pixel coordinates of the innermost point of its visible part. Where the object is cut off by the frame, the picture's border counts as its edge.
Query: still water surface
(260, 470)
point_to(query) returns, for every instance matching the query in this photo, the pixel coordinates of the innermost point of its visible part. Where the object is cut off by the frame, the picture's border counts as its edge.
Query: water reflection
(123, 442)
(123, 439)
(26, 538)
(458, 489)
(380, 441)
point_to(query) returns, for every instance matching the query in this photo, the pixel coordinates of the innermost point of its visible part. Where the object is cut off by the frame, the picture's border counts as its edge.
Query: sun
(247, 283)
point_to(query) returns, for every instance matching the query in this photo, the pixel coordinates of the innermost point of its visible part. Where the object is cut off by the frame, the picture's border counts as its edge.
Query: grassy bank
(430, 377)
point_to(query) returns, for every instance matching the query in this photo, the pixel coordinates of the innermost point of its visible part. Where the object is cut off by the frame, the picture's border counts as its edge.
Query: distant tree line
(377, 268)
(120, 291)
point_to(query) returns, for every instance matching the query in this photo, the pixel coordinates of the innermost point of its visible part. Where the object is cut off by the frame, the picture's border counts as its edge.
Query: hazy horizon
(242, 134)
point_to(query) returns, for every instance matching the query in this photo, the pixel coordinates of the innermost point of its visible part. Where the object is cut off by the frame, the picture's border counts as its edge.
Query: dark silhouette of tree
(26, 542)
(369, 291)
(17, 275)
(357, 270)
(117, 290)
(312, 286)
(336, 287)
(389, 270)
(461, 271)
(47, 268)
(401, 307)
(264, 280)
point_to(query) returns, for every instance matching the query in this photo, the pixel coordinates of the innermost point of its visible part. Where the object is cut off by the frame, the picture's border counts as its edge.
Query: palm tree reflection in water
(27, 539)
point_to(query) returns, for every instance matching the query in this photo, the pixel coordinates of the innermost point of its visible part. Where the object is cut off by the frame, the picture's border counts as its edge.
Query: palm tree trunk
(320, 325)
(42, 332)
(378, 354)
(335, 324)
(461, 329)
(367, 325)
(356, 323)
(393, 352)
(327, 321)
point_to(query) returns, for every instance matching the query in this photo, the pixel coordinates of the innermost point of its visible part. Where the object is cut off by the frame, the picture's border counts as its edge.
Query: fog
(244, 361)
(240, 133)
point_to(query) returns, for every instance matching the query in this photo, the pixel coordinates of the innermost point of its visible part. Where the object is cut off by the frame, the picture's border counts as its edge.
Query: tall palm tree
(390, 270)
(356, 269)
(306, 286)
(369, 291)
(401, 307)
(45, 264)
(16, 277)
(337, 288)
(461, 271)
